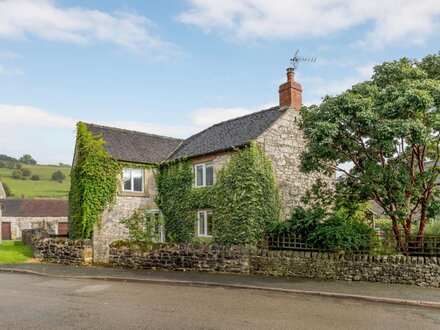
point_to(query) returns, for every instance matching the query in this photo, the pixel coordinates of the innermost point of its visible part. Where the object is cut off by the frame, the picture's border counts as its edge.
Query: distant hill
(42, 188)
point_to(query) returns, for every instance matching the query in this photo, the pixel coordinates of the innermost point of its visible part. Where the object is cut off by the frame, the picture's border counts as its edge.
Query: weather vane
(296, 59)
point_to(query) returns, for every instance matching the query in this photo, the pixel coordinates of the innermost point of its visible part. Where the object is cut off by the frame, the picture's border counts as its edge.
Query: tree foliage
(328, 221)
(388, 128)
(27, 159)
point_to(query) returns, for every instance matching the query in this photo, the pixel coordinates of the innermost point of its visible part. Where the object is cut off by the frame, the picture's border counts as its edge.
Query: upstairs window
(204, 223)
(204, 174)
(133, 180)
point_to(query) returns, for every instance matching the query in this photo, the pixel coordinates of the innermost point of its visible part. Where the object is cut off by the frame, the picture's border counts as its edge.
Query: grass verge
(14, 252)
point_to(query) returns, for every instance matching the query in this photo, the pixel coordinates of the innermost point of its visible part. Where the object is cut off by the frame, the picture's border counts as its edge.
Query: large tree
(388, 129)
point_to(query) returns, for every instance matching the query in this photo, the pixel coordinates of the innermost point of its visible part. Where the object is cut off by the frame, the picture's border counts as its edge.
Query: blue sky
(175, 67)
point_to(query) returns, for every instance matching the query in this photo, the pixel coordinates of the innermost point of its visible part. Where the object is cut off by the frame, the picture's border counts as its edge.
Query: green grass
(42, 188)
(13, 252)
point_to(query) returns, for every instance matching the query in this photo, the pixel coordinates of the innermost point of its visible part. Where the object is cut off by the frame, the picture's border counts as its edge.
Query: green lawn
(13, 252)
(42, 188)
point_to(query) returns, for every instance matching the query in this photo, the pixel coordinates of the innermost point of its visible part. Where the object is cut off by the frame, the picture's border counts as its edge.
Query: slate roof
(34, 207)
(133, 146)
(139, 147)
(229, 134)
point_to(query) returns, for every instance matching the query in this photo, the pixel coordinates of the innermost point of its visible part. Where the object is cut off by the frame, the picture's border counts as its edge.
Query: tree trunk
(422, 225)
(400, 244)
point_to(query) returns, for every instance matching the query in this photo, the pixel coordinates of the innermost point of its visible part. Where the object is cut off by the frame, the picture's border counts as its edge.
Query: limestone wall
(18, 224)
(58, 250)
(422, 271)
(181, 257)
(283, 143)
(111, 229)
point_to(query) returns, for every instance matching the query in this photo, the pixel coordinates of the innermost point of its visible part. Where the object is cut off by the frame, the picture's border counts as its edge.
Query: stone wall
(29, 235)
(111, 229)
(283, 143)
(181, 257)
(423, 271)
(58, 250)
(63, 251)
(18, 224)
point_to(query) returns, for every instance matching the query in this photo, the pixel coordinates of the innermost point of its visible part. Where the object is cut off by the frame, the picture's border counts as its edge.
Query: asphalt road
(34, 302)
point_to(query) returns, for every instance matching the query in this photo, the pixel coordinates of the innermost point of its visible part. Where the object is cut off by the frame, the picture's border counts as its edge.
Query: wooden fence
(428, 245)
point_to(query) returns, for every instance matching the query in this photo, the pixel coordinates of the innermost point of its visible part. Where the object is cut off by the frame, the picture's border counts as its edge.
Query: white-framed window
(204, 174)
(133, 179)
(204, 223)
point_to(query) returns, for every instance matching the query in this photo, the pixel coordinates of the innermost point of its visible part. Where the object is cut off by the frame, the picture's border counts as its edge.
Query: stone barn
(19, 214)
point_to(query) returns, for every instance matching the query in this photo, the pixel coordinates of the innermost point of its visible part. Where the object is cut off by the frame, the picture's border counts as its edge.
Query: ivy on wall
(247, 198)
(93, 183)
(244, 200)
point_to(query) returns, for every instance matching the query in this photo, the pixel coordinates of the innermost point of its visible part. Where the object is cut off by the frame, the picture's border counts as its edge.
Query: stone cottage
(275, 129)
(19, 214)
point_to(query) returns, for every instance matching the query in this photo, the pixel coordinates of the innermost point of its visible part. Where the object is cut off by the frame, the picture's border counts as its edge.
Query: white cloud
(319, 87)
(29, 116)
(20, 19)
(387, 21)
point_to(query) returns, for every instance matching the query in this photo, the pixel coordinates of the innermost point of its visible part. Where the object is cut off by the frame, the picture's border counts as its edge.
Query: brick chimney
(291, 92)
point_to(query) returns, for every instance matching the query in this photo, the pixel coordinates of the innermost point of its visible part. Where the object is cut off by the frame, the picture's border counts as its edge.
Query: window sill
(132, 193)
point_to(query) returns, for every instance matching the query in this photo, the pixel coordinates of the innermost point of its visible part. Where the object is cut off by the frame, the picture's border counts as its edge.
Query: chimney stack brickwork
(291, 92)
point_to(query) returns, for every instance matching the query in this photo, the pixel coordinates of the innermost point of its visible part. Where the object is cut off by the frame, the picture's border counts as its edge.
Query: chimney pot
(291, 91)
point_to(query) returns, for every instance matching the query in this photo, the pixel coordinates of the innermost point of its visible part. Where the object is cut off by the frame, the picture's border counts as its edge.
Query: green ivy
(244, 200)
(94, 183)
(247, 198)
(174, 184)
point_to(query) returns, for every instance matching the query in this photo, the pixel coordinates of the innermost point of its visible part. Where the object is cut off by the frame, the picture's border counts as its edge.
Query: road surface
(34, 302)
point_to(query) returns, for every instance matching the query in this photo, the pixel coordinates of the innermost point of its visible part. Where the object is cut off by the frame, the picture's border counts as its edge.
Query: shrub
(10, 164)
(342, 233)
(26, 172)
(17, 174)
(329, 222)
(58, 176)
(2, 164)
(144, 226)
(18, 166)
(35, 177)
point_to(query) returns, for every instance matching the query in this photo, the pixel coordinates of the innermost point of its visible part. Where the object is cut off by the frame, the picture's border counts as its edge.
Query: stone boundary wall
(181, 257)
(422, 271)
(28, 235)
(58, 250)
